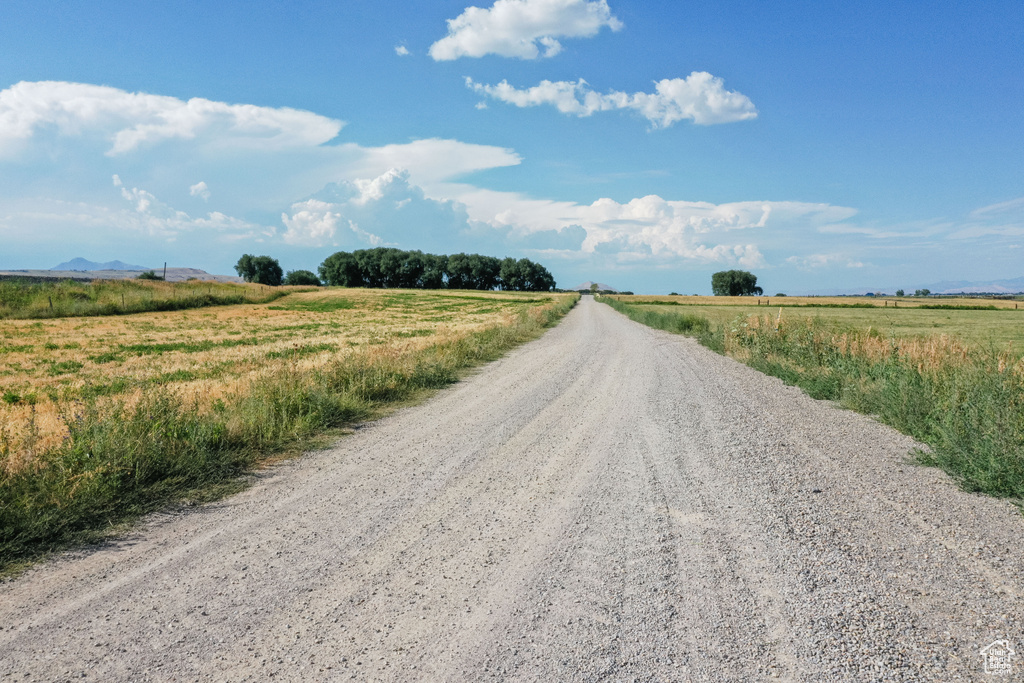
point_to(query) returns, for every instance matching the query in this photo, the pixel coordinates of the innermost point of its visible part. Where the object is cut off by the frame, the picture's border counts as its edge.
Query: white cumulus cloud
(401, 50)
(700, 97)
(525, 29)
(199, 190)
(386, 209)
(312, 223)
(129, 121)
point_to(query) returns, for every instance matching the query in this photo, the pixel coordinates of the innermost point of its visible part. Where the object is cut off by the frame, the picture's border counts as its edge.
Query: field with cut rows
(102, 410)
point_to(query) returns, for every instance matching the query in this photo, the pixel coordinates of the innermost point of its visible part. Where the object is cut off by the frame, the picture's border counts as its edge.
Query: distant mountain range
(84, 264)
(1013, 286)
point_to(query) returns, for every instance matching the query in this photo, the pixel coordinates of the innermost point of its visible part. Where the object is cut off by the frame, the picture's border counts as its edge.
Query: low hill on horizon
(80, 263)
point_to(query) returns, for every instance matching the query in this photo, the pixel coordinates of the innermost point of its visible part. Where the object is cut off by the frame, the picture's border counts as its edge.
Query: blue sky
(643, 144)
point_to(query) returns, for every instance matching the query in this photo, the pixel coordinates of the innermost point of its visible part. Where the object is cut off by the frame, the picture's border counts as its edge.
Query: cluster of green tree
(264, 270)
(388, 267)
(735, 283)
(395, 268)
(260, 269)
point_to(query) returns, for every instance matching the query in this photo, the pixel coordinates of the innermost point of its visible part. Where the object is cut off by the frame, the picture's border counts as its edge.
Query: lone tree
(262, 270)
(735, 283)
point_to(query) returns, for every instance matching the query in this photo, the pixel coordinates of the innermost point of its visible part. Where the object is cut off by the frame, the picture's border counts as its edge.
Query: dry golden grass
(211, 354)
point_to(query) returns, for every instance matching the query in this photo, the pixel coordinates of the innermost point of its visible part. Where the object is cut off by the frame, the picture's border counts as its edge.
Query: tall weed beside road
(966, 402)
(125, 455)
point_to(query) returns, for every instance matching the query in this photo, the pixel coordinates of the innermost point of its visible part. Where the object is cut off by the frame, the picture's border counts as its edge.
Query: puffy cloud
(401, 50)
(128, 121)
(700, 97)
(525, 29)
(386, 209)
(150, 216)
(652, 229)
(672, 230)
(312, 223)
(199, 190)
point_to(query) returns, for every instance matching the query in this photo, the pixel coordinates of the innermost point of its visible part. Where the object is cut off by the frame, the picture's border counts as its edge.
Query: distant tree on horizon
(389, 267)
(735, 283)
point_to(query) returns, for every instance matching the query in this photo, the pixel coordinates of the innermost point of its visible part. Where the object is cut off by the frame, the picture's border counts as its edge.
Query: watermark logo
(998, 658)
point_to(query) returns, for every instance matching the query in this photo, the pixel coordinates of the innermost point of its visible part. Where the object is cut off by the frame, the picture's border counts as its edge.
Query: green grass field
(1000, 327)
(953, 379)
(21, 299)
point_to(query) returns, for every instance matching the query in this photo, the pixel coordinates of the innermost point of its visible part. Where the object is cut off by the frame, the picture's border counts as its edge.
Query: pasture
(970, 320)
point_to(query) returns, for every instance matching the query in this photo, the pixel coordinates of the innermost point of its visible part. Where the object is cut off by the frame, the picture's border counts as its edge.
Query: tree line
(386, 267)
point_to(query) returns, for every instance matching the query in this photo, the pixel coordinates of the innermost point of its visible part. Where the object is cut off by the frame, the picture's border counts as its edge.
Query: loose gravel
(607, 503)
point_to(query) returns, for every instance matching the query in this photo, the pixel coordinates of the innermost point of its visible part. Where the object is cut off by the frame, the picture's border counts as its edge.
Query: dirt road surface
(607, 503)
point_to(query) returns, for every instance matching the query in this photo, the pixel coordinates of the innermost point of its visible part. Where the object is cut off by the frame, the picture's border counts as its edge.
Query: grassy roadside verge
(966, 404)
(27, 300)
(122, 459)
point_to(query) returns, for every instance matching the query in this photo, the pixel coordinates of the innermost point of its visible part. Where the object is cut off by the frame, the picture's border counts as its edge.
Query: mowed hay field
(102, 416)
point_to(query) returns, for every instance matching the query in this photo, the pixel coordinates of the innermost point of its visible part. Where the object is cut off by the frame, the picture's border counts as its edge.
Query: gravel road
(608, 502)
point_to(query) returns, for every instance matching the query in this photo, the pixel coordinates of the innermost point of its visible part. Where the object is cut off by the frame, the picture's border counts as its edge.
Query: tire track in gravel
(606, 503)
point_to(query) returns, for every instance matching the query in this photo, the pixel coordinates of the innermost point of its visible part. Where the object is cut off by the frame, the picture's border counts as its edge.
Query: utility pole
(165, 270)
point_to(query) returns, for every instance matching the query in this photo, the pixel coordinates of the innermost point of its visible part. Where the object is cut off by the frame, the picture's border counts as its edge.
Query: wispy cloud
(401, 50)
(150, 216)
(526, 29)
(133, 120)
(1014, 206)
(700, 97)
(818, 261)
